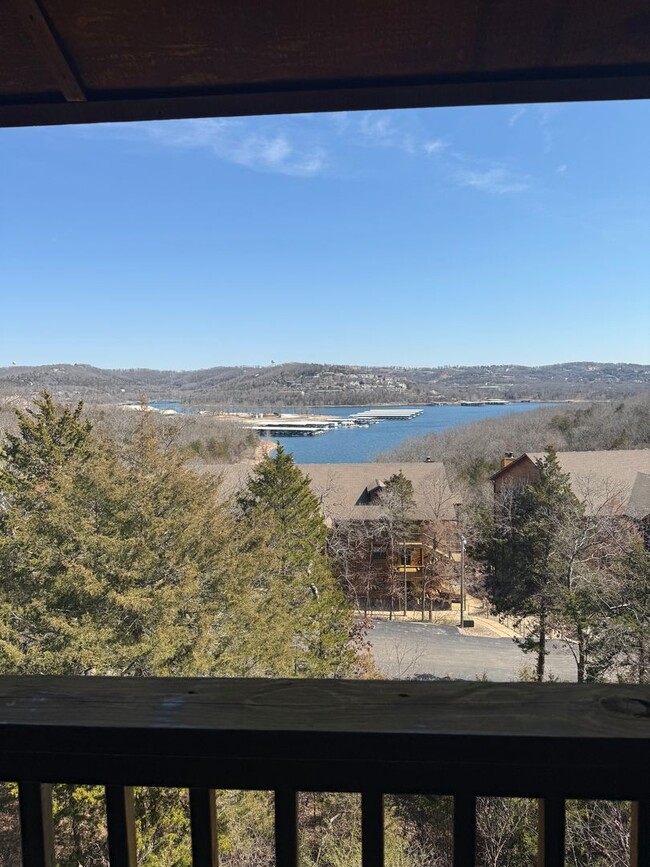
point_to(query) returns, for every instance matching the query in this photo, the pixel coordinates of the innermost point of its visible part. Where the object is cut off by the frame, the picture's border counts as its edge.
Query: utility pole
(463, 542)
(405, 580)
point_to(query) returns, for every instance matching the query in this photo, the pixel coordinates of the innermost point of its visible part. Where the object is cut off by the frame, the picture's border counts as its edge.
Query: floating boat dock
(387, 414)
(305, 426)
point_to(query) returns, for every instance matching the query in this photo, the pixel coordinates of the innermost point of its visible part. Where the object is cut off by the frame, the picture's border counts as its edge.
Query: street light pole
(405, 585)
(463, 542)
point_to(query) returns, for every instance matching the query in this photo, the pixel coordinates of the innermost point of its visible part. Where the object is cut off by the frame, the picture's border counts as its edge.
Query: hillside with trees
(300, 384)
(472, 452)
(118, 558)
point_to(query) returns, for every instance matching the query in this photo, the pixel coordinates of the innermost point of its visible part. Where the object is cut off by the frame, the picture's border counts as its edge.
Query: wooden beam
(203, 820)
(640, 834)
(49, 45)
(372, 829)
(108, 107)
(464, 830)
(286, 828)
(36, 825)
(120, 819)
(551, 821)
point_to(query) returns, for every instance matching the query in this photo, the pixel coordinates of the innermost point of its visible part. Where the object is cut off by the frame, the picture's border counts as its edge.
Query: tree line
(298, 383)
(472, 452)
(118, 559)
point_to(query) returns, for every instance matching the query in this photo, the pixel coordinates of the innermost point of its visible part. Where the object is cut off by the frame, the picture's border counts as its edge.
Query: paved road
(408, 650)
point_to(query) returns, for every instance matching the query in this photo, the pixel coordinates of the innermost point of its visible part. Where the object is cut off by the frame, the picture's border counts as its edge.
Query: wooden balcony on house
(552, 742)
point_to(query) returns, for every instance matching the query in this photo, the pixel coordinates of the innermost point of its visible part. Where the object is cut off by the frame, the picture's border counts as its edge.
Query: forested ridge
(304, 384)
(473, 451)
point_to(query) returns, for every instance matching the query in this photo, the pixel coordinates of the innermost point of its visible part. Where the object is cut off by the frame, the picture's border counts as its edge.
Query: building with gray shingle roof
(616, 481)
(352, 492)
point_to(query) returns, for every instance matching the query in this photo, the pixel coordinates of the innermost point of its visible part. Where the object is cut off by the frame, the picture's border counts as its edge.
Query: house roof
(616, 480)
(638, 506)
(66, 61)
(343, 488)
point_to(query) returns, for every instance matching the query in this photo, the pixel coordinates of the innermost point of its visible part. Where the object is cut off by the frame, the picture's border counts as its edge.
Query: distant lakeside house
(388, 556)
(386, 553)
(615, 482)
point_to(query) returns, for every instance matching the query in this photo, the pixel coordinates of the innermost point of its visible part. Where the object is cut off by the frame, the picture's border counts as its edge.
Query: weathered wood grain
(141, 59)
(555, 740)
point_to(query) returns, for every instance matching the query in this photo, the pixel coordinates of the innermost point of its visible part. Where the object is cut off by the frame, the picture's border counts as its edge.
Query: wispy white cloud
(496, 179)
(340, 120)
(234, 141)
(379, 129)
(545, 115)
(435, 146)
(518, 113)
(308, 146)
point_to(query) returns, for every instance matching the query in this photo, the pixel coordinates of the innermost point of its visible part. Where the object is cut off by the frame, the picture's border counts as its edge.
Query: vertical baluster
(550, 832)
(286, 828)
(203, 815)
(36, 825)
(464, 830)
(640, 834)
(372, 829)
(120, 816)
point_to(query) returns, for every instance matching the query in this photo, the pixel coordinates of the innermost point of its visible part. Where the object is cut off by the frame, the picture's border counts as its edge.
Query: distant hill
(299, 384)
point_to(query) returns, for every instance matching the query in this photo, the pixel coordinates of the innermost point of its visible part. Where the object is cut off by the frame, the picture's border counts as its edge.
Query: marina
(293, 425)
(385, 414)
(360, 443)
(354, 433)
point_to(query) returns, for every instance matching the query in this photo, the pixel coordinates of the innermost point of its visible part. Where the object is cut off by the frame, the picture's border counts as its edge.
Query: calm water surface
(359, 445)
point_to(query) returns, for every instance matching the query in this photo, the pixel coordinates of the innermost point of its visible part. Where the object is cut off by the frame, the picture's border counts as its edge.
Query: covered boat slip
(66, 61)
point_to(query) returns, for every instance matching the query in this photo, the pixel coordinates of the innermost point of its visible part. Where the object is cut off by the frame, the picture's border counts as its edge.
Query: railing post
(286, 828)
(203, 817)
(464, 830)
(120, 819)
(36, 824)
(640, 834)
(551, 821)
(372, 829)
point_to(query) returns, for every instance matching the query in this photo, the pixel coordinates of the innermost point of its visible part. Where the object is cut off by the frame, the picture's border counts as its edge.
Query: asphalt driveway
(412, 650)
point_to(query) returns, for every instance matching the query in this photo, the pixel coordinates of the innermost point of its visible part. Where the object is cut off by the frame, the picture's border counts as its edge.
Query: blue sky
(511, 234)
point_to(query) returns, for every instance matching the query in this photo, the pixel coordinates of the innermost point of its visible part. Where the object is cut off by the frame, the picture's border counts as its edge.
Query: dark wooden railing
(552, 742)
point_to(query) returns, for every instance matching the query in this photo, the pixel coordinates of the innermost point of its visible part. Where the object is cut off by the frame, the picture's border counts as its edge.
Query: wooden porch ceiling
(81, 61)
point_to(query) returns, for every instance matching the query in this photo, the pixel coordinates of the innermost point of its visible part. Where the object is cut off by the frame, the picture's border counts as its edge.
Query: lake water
(363, 444)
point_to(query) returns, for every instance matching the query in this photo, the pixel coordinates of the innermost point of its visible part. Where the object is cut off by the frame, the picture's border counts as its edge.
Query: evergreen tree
(114, 565)
(521, 539)
(48, 437)
(306, 612)
(395, 528)
(123, 561)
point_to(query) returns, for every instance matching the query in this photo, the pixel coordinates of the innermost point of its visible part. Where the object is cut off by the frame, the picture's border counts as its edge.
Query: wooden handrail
(552, 742)
(560, 740)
